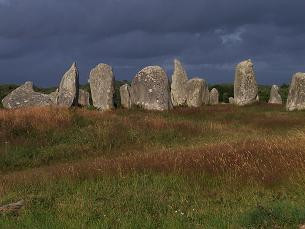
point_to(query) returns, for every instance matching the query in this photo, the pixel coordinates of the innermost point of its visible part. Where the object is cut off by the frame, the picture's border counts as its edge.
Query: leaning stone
(101, 81)
(214, 96)
(195, 92)
(245, 86)
(296, 96)
(178, 86)
(25, 96)
(125, 96)
(83, 98)
(231, 100)
(150, 89)
(69, 88)
(275, 97)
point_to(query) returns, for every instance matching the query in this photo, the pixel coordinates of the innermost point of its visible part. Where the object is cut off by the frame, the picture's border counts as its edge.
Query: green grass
(213, 167)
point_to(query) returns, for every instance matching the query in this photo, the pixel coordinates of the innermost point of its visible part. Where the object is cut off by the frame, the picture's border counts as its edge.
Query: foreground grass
(213, 167)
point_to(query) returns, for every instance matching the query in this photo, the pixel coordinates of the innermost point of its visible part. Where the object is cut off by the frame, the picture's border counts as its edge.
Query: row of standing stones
(151, 90)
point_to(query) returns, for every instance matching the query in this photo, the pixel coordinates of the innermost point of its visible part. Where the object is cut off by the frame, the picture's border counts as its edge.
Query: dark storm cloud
(40, 39)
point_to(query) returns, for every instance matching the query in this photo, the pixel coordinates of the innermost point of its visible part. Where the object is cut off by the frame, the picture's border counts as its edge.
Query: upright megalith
(125, 96)
(194, 88)
(245, 86)
(101, 81)
(205, 93)
(231, 100)
(83, 98)
(69, 88)
(275, 97)
(150, 89)
(178, 86)
(25, 96)
(214, 96)
(296, 96)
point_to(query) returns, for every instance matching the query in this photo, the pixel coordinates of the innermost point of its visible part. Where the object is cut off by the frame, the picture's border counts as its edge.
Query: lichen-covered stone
(214, 97)
(125, 96)
(178, 86)
(69, 88)
(83, 98)
(194, 88)
(275, 97)
(150, 89)
(101, 81)
(245, 86)
(25, 96)
(296, 96)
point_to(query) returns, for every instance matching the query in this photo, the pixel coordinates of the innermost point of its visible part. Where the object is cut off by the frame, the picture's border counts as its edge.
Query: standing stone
(150, 89)
(296, 96)
(275, 97)
(178, 86)
(69, 88)
(205, 93)
(245, 86)
(25, 96)
(214, 96)
(231, 100)
(101, 81)
(194, 89)
(83, 98)
(125, 96)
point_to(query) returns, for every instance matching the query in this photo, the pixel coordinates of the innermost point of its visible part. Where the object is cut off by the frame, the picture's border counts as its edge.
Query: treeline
(225, 91)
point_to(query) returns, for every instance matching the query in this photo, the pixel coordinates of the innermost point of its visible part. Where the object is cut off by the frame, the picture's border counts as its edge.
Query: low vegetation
(215, 167)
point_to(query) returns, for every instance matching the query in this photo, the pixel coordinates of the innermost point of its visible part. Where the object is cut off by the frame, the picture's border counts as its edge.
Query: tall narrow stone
(150, 89)
(296, 96)
(84, 98)
(194, 89)
(245, 86)
(214, 96)
(275, 97)
(68, 88)
(101, 81)
(178, 86)
(125, 96)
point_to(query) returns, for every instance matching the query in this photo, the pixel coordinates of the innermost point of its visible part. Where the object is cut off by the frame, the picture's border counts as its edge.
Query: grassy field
(214, 167)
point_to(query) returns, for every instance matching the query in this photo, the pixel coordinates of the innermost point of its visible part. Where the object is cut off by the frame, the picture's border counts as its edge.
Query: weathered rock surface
(25, 96)
(125, 96)
(54, 96)
(69, 88)
(275, 97)
(83, 98)
(150, 89)
(245, 86)
(101, 81)
(205, 93)
(231, 100)
(195, 89)
(296, 96)
(214, 97)
(178, 86)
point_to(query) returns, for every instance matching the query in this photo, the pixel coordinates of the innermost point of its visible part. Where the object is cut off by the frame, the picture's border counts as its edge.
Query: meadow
(211, 167)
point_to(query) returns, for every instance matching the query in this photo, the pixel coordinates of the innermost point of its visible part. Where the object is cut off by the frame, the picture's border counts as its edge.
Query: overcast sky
(39, 39)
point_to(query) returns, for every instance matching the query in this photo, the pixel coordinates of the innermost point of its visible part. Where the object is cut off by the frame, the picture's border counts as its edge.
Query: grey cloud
(42, 38)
